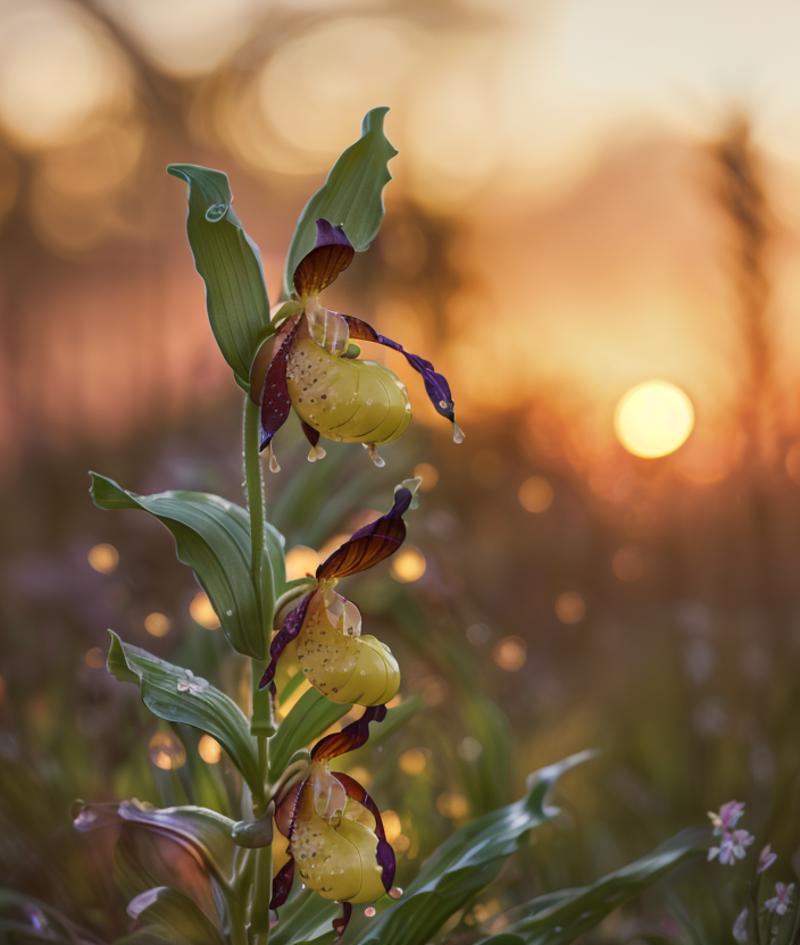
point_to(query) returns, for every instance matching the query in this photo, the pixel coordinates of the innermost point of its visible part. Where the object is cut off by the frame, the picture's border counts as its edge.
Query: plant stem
(261, 722)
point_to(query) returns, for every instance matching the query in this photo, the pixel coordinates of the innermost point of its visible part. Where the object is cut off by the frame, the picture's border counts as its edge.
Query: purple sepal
(370, 544)
(332, 254)
(312, 435)
(282, 885)
(384, 854)
(275, 401)
(340, 924)
(289, 630)
(436, 385)
(352, 736)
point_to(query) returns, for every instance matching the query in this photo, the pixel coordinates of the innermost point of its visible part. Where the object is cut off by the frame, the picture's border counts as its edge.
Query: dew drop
(216, 212)
(395, 892)
(458, 434)
(370, 912)
(374, 455)
(316, 453)
(274, 465)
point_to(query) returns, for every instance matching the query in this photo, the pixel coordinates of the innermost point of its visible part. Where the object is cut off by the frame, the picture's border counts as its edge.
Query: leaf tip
(373, 124)
(179, 171)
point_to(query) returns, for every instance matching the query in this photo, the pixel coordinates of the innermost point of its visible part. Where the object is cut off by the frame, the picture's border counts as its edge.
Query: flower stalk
(261, 722)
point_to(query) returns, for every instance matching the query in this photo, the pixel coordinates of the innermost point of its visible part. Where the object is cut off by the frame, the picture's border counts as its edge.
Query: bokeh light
(94, 658)
(202, 611)
(570, 607)
(628, 563)
(158, 624)
(209, 750)
(535, 494)
(653, 419)
(429, 475)
(453, 805)
(413, 761)
(408, 565)
(166, 751)
(46, 46)
(103, 558)
(510, 653)
(301, 561)
(391, 824)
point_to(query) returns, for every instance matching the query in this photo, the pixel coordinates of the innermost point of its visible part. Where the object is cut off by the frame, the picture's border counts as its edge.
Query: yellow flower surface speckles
(334, 843)
(347, 400)
(338, 661)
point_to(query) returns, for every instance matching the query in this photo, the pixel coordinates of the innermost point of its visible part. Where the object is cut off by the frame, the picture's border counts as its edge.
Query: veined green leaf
(212, 536)
(560, 918)
(177, 695)
(469, 860)
(352, 195)
(307, 720)
(230, 265)
(188, 848)
(168, 913)
(305, 917)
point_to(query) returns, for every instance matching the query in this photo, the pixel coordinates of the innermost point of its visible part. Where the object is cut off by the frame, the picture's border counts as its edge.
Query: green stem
(261, 724)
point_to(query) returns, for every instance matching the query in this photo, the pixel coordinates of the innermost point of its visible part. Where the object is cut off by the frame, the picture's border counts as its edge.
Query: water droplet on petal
(458, 434)
(395, 892)
(316, 453)
(374, 455)
(370, 912)
(274, 465)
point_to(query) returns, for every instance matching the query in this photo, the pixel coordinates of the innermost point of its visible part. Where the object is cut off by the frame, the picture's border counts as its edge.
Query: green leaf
(575, 911)
(304, 917)
(169, 914)
(230, 265)
(212, 536)
(469, 860)
(307, 720)
(352, 195)
(177, 695)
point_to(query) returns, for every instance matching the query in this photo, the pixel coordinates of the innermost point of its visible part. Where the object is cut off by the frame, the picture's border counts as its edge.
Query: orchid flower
(315, 369)
(337, 842)
(335, 657)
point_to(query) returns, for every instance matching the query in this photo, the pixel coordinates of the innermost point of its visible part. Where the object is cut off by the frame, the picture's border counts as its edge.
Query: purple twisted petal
(436, 385)
(290, 628)
(282, 885)
(275, 401)
(384, 854)
(340, 924)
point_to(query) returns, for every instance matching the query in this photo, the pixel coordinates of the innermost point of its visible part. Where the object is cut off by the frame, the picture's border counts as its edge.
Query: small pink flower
(766, 858)
(779, 903)
(732, 847)
(727, 817)
(739, 930)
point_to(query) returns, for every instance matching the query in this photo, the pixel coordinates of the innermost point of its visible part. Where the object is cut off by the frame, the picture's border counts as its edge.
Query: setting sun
(653, 419)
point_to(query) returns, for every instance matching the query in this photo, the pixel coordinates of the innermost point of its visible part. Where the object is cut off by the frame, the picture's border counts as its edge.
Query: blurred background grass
(588, 196)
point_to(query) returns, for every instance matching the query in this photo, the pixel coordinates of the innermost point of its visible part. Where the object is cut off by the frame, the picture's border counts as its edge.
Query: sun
(653, 419)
